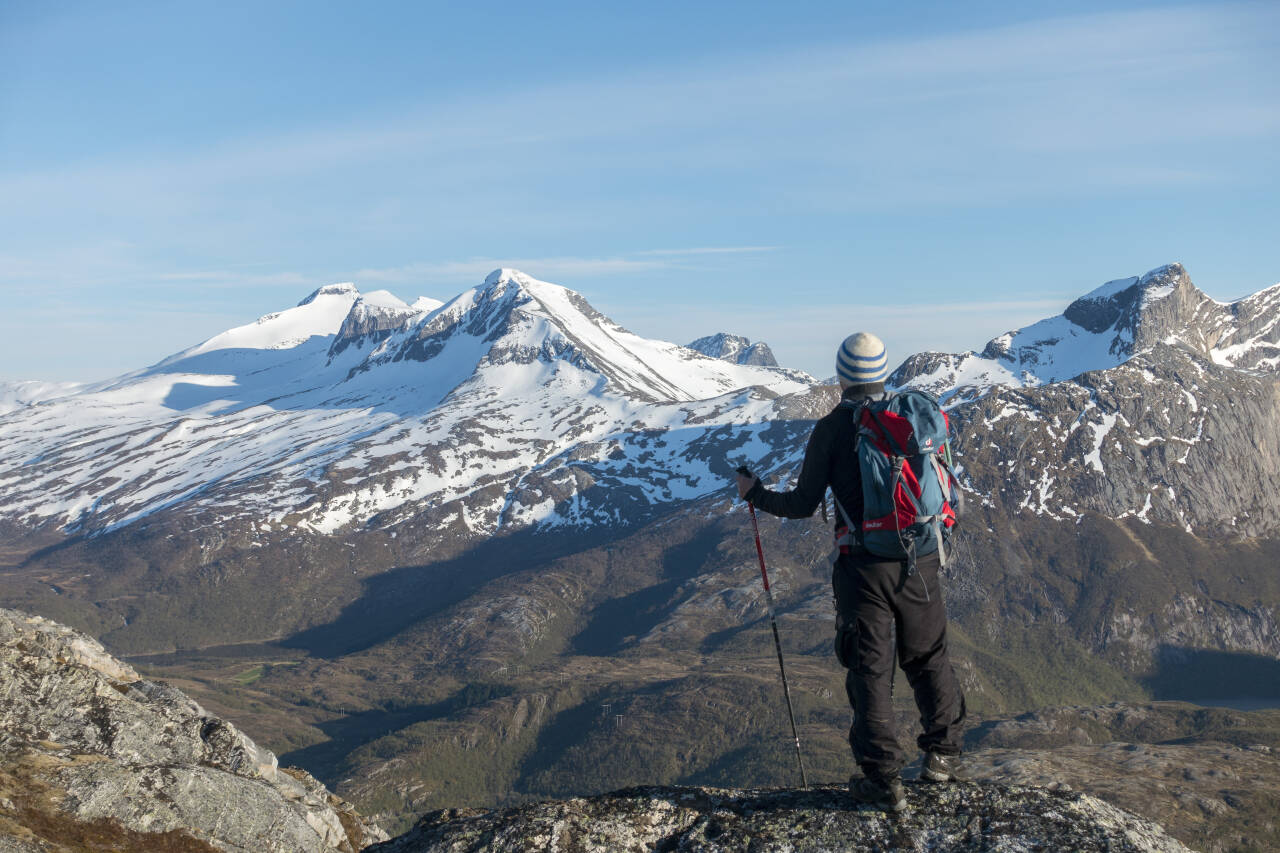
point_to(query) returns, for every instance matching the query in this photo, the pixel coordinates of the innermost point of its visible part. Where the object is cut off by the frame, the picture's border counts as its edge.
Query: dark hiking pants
(874, 599)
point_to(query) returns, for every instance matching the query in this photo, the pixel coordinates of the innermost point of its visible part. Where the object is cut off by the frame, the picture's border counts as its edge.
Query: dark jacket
(829, 461)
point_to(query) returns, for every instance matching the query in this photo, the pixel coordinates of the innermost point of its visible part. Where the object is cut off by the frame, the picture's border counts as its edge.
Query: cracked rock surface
(963, 817)
(92, 755)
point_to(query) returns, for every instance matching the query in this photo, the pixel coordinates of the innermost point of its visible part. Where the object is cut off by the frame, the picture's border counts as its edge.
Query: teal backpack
(910, 496)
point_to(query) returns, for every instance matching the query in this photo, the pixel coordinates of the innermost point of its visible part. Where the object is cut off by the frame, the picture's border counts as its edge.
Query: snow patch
(1100, 430)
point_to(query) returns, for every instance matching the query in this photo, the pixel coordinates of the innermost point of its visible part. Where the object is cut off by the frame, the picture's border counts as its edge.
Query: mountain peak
(735, 349)
(545, 329)
(1103, 329)
(506, 274)
(1173, 270)
(1125, 298)
(1141, 311)
(320, 315)
(342, 288)
(384, 299)
(512, 283)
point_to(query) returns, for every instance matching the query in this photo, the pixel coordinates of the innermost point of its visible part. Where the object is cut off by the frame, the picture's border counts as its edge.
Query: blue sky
(934, 172)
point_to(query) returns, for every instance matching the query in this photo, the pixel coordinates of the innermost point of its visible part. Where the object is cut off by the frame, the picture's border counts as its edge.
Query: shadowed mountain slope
(423, 564)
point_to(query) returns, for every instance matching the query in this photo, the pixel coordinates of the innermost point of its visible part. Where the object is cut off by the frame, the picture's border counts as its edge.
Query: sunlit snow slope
(1144, 398)
(503, 406)
(516, 404)
(1104, 329)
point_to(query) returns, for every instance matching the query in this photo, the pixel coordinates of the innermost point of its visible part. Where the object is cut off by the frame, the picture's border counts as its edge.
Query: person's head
(861, 360)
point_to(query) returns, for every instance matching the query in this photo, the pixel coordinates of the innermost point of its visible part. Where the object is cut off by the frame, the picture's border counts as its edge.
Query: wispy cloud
(235, 278)
(806, 337)
(474, 269)
(123, 267)
(964, 105)
(711, 250)
(551, 268)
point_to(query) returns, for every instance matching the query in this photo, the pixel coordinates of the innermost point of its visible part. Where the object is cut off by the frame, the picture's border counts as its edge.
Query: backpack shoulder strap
(854, 407)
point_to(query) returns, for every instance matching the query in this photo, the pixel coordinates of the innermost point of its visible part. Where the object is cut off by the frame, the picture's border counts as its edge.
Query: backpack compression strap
(849, 538)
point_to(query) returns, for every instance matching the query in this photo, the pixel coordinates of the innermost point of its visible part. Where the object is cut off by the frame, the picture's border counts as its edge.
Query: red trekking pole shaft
(777, 641)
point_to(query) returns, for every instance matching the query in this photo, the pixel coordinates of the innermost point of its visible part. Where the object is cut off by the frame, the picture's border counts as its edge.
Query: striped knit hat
(862, 359)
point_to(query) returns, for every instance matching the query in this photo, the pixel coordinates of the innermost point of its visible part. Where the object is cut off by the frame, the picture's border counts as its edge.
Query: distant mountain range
(516, 403)
(504, 406)
(418, 548)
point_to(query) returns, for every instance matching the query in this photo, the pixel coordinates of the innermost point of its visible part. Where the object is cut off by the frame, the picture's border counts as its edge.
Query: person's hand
(745, 484)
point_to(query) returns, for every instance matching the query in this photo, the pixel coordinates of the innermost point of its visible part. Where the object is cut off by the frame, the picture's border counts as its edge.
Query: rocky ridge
(91, 751)
(1139, 400)
(372, 318)
(1103, 329)
(735, 348)
(940, 818)
(353, 411)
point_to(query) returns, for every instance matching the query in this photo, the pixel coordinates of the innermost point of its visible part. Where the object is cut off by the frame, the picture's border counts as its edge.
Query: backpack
(910, 496)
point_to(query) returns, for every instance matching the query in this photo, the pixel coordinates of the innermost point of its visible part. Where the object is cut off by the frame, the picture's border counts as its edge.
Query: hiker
(875, 593)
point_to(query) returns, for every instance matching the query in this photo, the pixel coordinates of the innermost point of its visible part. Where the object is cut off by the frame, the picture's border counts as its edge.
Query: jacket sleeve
(801, 501)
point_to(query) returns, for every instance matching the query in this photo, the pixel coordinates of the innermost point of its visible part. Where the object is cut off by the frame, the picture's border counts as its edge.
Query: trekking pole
(777, 642)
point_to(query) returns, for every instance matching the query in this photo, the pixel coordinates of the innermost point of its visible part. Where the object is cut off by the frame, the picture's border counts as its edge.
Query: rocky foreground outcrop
(941, 818)
(92, 756)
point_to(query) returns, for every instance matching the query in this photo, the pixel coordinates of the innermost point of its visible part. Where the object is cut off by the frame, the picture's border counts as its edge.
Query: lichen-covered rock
(92, 754)
(940, 818)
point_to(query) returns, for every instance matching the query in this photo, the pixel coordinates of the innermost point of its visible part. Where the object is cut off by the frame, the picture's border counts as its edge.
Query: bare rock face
(1161, 438)
(93, 754)
(736, 349)
(940, 818)
(372, 320)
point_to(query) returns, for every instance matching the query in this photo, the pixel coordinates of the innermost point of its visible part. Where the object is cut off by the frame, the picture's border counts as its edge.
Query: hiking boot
(886, 794)
(943, 768)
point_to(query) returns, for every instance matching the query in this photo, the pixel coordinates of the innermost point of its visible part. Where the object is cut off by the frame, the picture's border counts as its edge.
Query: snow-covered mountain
(17, 395)
(505, 405)
(375, 316)
(516, 403)
(735, 348)
(1104, 329)
(1144, 398)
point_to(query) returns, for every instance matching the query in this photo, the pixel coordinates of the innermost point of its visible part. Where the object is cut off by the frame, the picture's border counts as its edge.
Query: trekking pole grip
(744, 471)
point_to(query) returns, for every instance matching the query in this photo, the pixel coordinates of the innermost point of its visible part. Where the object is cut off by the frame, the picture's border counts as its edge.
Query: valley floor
(583, 725)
